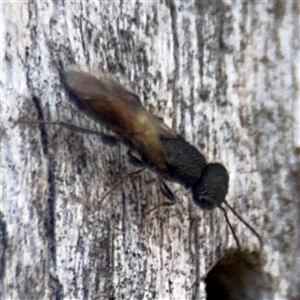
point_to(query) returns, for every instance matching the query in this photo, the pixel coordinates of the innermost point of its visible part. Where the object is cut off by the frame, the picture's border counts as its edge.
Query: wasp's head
(210, 191)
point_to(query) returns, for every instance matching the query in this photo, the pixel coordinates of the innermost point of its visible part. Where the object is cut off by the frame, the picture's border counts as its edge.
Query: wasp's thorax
(184, 162)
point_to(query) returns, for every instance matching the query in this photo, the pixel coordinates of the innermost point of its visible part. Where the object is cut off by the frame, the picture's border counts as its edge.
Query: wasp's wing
(120, 110)
(162, 129)
(127, 96)
(87, 87)
(105, 101)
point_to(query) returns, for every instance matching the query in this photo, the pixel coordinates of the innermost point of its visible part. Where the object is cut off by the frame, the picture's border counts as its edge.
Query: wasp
(158, 146)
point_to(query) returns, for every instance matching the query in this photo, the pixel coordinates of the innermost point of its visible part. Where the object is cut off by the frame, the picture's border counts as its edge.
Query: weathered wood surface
(224, 75)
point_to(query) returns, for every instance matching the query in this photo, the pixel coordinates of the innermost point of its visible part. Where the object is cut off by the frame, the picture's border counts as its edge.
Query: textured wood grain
(224, 75)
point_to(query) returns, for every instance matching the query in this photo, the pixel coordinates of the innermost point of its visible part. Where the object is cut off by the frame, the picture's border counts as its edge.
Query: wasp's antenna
(231, 228)
(246, 224)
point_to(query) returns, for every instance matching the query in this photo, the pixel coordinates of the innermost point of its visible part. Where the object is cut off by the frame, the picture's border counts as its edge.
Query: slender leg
(167, 193)
(107, 139)
(165, 189)
(135, 158)
(131, 174)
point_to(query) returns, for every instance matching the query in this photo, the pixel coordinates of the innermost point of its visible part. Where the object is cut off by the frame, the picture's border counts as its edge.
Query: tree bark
(223, 75)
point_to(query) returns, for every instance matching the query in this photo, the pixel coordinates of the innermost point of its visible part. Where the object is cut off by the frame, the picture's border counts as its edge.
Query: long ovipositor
(159, 146)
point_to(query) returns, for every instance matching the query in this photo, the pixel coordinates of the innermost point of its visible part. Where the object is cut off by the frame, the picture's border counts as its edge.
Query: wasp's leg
(111, 140)
(135, 158)
(166, 191)
(131, 174)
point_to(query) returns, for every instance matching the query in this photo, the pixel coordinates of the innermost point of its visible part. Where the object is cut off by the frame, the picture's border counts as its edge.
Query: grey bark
(225, 75)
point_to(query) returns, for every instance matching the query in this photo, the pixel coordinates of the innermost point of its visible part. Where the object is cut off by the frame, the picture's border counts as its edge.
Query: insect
(158, 147)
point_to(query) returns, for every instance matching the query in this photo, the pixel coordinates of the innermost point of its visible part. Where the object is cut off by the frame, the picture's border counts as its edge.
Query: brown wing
(104, 99)
(122, 111)
(162, 129)
(88, 87)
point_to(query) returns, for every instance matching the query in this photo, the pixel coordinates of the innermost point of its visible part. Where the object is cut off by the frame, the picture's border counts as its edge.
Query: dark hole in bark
(238, 275)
